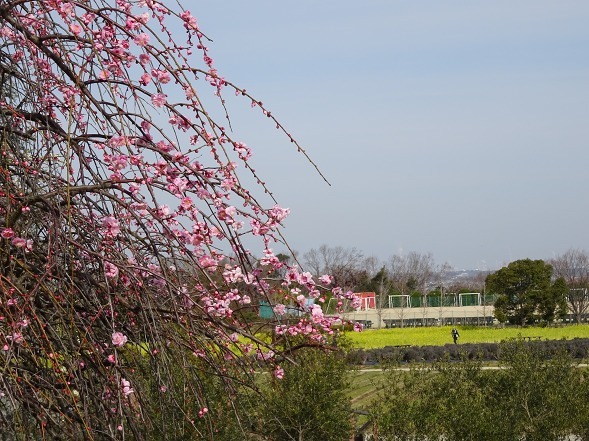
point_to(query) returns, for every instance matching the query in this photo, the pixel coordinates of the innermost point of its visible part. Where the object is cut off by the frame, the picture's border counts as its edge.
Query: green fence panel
(449, 300)
(417, 301)
(398, 302)
(266, 311)
(434, 301)
(469, 299)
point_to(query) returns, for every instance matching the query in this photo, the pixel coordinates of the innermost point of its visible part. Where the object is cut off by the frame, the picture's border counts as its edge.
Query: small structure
(368, 300)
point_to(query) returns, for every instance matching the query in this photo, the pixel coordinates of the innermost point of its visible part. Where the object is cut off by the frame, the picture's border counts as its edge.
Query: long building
(451, 309)
(423, 316)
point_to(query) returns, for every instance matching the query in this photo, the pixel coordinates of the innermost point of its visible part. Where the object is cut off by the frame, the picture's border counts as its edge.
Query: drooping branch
(124, 276)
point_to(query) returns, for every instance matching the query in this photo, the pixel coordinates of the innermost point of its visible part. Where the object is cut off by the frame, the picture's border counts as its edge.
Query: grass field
(439, 336)
(362, 392)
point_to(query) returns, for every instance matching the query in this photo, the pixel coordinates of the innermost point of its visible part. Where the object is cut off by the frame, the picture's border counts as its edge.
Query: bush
(310, 402)
(538, 396)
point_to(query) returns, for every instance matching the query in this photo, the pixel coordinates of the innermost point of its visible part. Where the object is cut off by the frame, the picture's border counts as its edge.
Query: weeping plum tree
(122, 216)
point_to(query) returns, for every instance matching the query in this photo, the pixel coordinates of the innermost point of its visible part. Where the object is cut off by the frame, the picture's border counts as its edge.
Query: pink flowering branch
(123, 276)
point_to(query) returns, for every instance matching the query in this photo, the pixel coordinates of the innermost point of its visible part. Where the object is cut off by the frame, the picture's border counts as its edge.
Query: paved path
(425, 367)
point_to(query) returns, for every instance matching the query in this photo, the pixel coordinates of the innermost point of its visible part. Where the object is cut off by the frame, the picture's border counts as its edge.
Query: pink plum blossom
(265, 355)
(159, 99)
(118, 339)
(279, 373)
(16, 338)
(305, 278)
(161, 75)
(356, 301)
(126, 387)
(316, 313)
(243, 151)
(326, 279)
(278, 213)
(110, 270)
(208, 262)
(19, 242)
(186, 203)
(259, 228)
(189, 20)
(76, 29)
(111, 226)
(279, 309)
(145, 79)
(7, 233)
(142, 39)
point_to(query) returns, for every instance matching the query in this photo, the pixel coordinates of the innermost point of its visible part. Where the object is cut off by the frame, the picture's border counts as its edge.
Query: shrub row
(577, 348)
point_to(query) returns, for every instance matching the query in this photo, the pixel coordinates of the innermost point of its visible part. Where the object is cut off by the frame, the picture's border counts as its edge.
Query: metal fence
(488, 320)
(445, 300)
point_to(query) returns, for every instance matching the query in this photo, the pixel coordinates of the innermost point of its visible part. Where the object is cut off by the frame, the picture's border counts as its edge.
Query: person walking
(455, 335)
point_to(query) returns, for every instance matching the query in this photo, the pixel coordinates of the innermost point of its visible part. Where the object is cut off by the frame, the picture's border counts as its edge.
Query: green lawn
(363, 388)
(438, 336)
(364, 384)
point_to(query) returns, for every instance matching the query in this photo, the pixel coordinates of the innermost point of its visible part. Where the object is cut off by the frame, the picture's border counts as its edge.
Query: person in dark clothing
(455, 335)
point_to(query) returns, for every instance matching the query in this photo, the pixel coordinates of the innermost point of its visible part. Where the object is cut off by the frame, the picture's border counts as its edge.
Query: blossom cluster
(18, 242)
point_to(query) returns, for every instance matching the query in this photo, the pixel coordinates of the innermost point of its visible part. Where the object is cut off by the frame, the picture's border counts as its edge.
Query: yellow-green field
(438, 336)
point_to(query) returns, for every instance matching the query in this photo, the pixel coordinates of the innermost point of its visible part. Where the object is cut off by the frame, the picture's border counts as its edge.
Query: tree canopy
(573, 267)
(122, 223)
(526, 292)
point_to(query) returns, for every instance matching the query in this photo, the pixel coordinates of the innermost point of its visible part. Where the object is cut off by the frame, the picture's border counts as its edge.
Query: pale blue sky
(451, 127)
